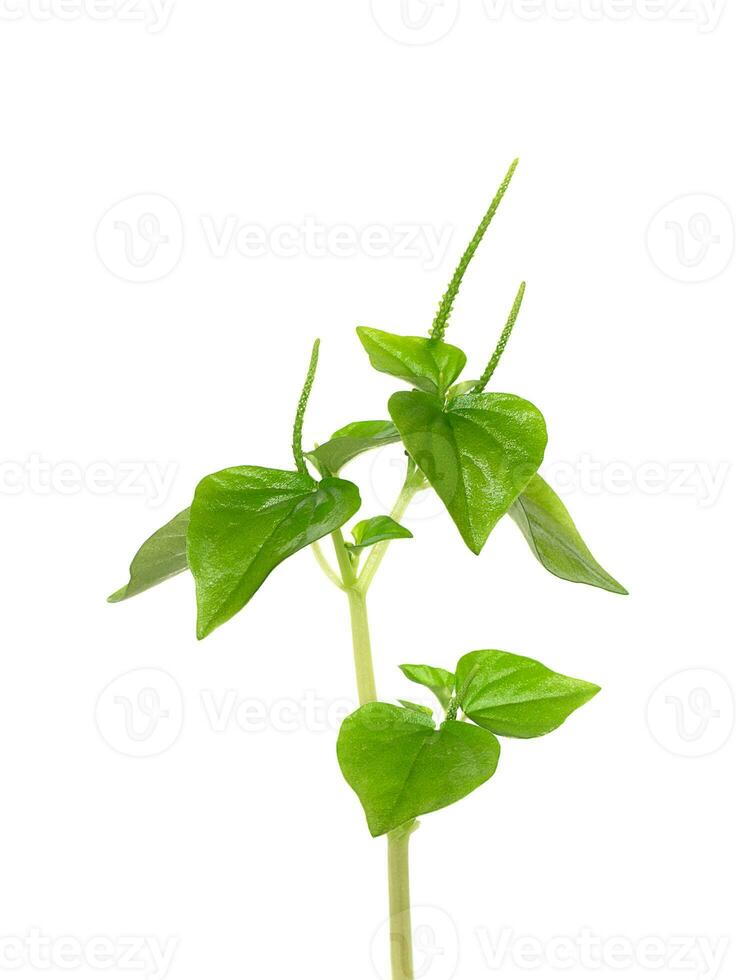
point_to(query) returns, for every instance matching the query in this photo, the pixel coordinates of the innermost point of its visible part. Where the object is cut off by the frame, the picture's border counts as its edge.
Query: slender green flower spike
(439, 324)
(301, 409)
(481, 452)
(502, 341)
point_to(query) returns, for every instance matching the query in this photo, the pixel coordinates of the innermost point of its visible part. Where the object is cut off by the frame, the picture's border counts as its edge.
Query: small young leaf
(421, 708)
(430, 365)
(351, 441)
(374, 529)
(245, 521)
(549, 530)
(461, 388)
(516, 696)
(401, 767)
(161, 556)
(478, 454)
(439, 681)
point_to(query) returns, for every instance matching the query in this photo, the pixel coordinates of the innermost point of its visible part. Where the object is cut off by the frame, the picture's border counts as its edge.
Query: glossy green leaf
(351, 441)
(517, 696)
(374, 529)
(439, 681)
(401, 766)
(461, 388)
(478, 454)
(413, 706)
(549, 530)
(431, 365)
(160, 557)
(247, 520)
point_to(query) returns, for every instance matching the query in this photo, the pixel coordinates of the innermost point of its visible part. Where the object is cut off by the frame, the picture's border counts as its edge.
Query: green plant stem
(325, 566)
(355, 587)
(362, 646)
(412, 485)
(402, 959)
(362, 655)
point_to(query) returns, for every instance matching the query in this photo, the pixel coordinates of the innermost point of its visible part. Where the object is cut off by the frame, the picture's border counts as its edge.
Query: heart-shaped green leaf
(479, 453)
(401, 767)
(549, 530)
(247, 520)
(431, 365)
(439, 681)
(351, 441)
(517, 696)
(374, 529)
(161, 556)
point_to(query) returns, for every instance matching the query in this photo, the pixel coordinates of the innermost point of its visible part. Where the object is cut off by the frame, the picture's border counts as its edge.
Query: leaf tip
(611, 585)
(204, 629)
(119, 595)
(474, 546)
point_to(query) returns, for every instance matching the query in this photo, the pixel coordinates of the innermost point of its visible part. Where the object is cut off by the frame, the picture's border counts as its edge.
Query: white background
(244, 848)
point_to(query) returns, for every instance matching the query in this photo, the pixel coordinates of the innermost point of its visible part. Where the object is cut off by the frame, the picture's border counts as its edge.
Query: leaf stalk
(412, 485)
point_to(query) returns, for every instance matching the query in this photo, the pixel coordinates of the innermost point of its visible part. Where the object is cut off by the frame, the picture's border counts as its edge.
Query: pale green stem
(356, 586)
(362, 647)
(414, 483)
(325, 566)
(402, 960)
(344, 562)
(358, 621)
